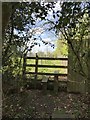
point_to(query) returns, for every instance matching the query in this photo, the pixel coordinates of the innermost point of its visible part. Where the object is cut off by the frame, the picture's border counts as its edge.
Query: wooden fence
(36, 66)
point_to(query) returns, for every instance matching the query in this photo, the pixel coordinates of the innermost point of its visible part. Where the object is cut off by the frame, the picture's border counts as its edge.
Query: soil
(35, 104)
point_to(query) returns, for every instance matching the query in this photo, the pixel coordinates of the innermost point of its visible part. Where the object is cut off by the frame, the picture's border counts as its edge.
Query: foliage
(71, 20)
(73, 24)
(15, 45)
(61, 48)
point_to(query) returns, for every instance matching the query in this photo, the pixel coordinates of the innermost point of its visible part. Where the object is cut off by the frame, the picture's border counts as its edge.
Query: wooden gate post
(44, 84)
(36, 71)
(24, 69)
(56, 82)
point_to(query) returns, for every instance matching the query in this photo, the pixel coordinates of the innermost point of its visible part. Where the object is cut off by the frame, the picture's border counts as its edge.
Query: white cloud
(50, 13)
(57, 6)
(47, 40)
(43, 47)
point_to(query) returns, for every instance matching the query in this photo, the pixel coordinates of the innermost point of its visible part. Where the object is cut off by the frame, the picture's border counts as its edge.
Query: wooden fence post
(44, 84)
(56, 82)
(36, 71)
(24, 69)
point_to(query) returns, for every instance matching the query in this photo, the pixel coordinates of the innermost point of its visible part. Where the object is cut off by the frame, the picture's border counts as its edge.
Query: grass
(47, 62)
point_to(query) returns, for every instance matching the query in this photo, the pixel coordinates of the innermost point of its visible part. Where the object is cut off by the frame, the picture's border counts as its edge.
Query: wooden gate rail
(49, 66)
(52, 74)
(46, 58)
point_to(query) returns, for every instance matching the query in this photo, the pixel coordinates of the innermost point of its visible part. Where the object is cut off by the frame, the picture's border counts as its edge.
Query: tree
(73, 21)
(20, 17)
(70, 21)
(74, 28)
(61, 48)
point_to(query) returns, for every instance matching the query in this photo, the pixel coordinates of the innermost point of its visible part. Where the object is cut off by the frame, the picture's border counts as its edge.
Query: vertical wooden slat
(24, 69)
(36, 71)
(44, 84)
(56, 82)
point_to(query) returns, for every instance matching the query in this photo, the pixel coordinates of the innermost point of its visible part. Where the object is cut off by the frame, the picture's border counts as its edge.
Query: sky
(49, 36)
(41, 30)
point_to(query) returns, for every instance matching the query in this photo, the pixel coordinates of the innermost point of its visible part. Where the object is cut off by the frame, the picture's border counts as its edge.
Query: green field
(47, 62)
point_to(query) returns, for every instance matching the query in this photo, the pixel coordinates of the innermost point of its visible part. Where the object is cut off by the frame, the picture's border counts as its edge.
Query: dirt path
(32, 103)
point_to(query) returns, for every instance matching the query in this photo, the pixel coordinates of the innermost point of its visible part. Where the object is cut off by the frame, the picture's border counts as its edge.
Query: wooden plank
(39, 73)
(24, 64)
(24, 69)
(45, 79)
(30, 57)
(36, 71)
(49, 66)
(44, 84)
(47, 58)
(56, 81)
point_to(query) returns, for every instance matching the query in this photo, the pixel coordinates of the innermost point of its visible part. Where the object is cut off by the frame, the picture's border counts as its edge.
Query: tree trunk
(6, 12)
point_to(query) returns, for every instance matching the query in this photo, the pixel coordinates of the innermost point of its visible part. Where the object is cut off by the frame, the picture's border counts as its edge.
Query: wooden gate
(37, 65)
